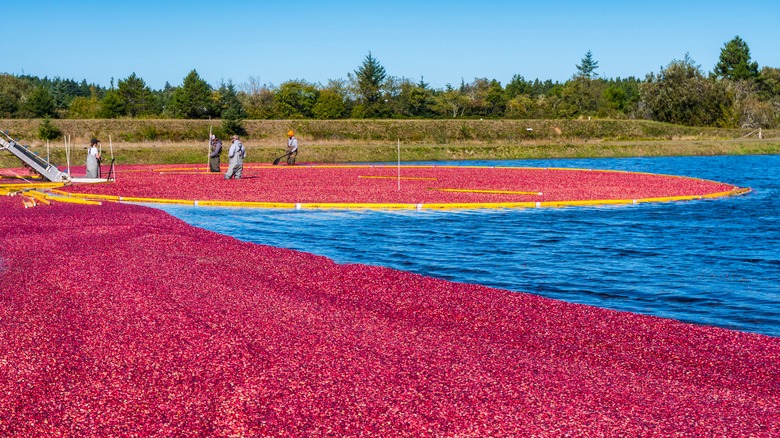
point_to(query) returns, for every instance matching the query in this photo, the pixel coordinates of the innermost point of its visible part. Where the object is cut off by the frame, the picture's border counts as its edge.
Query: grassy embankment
(184, 141)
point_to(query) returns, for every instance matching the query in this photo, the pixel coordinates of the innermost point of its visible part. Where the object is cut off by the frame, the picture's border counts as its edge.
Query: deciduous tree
(257, 99)
(11, 91)
(295, 100)
(452, 102)
(769, 83)
(329, 106)
(681, 94)
(84, 108)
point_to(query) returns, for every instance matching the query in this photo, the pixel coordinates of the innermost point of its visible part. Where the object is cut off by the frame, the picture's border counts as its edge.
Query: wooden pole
(208, 152)
(111, 148)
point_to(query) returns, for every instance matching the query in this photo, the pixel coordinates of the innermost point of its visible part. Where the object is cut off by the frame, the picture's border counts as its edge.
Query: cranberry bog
(120, 320)
(387, 186)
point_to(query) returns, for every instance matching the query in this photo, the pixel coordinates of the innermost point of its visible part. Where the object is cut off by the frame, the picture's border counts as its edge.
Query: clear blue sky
(442, 41)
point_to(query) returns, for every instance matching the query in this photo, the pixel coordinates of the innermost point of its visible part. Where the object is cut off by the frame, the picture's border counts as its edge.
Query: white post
(48, 156)
(399, 164)
(67, 151)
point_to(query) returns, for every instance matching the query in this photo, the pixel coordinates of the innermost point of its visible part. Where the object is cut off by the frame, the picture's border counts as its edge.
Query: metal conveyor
(36, 163)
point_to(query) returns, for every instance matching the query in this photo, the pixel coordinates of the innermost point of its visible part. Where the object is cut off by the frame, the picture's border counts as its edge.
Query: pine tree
(734, 62)
(370, 78)
(47, 130)
(136, 96)
(587, 68)
(233, 113)
(193, 99)
(40, 103)
(112, 105)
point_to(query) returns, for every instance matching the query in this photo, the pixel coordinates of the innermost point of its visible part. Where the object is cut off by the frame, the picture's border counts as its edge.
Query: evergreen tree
(84, 89)
(193, 99)
(734, 62)
(620, 97)
(233, 113)
(228, 99)
(40, 103)
(496, 99)
(517, 86)
(136, 97)
(587, 68)
(61, 94)
(545, 88)
(63, 91)
(111, 106)
(47, 130)
(163, 98)
(420, 99)
(369, 80)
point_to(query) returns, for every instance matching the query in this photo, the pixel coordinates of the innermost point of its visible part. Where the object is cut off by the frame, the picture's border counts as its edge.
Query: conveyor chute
(32, 160)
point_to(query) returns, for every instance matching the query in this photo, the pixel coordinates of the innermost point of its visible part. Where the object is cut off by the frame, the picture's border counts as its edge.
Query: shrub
(47, 130)
(232, 123)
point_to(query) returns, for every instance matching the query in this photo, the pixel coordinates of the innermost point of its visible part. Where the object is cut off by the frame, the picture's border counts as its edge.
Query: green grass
(184, 141)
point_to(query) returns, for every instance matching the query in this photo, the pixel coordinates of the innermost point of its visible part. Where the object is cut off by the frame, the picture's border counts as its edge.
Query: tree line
(736, 93)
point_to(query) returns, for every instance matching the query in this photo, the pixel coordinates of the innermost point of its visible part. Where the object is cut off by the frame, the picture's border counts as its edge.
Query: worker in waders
(292, 147)
(216, 150)
(236, 153)
(93, 159)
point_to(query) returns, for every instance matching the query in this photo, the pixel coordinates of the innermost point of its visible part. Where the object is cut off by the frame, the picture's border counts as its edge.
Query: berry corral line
(395, 177)
(390, 206)
(390, 187)
(496, 192)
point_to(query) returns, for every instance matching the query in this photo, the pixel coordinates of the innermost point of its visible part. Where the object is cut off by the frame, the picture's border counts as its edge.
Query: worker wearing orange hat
(292, 147)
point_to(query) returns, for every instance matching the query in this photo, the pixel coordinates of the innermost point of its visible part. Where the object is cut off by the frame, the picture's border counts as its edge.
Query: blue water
(714, 262)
